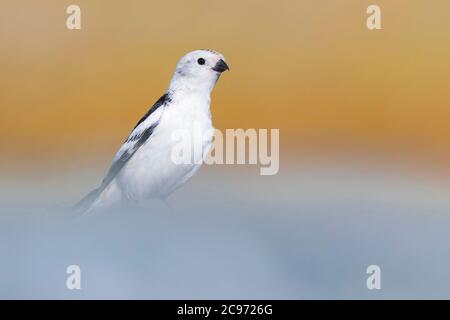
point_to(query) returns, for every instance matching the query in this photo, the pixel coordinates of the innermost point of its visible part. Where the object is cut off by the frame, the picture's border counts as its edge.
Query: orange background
(310, 68)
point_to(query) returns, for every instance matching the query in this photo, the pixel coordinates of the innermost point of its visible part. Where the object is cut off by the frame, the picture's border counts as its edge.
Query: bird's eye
(201, 61)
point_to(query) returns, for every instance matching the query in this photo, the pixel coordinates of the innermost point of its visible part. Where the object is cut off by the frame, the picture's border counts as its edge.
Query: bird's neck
(191, 100)
(192, 86)
(194, 95)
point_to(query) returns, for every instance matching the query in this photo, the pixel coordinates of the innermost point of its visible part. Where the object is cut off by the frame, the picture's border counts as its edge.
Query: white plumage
(143, 167)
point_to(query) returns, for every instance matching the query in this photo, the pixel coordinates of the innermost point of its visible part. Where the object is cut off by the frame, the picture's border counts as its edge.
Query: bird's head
(198, 71)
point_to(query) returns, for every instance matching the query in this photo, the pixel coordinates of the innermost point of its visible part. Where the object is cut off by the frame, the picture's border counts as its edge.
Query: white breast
(151, 172)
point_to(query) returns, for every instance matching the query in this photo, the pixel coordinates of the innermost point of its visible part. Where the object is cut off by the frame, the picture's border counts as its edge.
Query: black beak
(221, 66)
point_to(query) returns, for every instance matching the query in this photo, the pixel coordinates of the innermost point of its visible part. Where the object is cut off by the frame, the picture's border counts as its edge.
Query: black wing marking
(139, 139)
(134, 141)
(123, 159)
(161, 101)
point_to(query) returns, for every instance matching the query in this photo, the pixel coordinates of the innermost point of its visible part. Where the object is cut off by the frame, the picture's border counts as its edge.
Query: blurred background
(364, 149)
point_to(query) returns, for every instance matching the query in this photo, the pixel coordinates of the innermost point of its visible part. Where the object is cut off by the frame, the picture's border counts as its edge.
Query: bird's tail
(104, 197)
(84, 204)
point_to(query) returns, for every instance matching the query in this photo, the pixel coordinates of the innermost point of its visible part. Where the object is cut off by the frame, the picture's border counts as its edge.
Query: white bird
(143, 168)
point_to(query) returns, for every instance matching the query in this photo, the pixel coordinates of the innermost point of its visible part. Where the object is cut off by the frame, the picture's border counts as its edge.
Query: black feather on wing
(161, 101)
(135, 141)
(123, 159)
